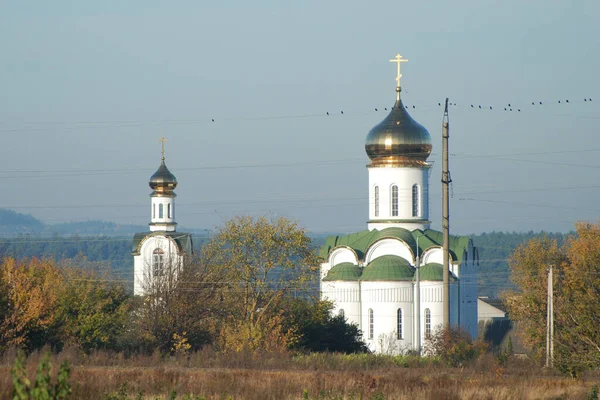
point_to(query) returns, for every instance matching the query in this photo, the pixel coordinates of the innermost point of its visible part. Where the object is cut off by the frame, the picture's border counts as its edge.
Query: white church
(370, 276)
(158, 255)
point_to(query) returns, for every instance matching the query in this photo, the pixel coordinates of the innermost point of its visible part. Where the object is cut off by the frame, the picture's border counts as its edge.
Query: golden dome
(398, 140)
(163, 182)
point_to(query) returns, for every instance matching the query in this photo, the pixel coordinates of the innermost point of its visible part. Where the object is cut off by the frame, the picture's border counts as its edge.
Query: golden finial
(162, 141)
(398, 60)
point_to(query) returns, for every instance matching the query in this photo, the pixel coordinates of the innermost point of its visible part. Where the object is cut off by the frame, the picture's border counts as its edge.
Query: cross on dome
(162, 141)
(398, 59)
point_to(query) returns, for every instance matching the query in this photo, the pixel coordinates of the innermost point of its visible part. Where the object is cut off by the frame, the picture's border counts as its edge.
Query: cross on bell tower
(162, 142)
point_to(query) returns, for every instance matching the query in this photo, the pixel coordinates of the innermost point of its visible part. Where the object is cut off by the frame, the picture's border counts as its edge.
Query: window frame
(399, 324)
(427, 322)
(376, 200)
(416, 200)
(158, 262)
(394, 202)
(371, 324)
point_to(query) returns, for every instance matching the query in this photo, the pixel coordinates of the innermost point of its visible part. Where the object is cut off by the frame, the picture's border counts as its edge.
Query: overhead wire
(478, 106)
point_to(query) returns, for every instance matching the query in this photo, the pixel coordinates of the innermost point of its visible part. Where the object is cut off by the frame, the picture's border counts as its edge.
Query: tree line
(240, 292)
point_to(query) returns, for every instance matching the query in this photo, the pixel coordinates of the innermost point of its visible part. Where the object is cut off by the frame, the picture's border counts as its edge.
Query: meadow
(207, 374)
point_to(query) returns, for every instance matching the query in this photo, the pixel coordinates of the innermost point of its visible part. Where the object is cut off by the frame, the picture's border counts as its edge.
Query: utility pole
(550, 322)
(418, 301)
(446, 218)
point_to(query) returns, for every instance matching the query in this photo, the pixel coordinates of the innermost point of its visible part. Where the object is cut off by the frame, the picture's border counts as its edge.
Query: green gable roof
(433, 272)
(183, 240)
(388, 268)
(360, 241)
(344, 272)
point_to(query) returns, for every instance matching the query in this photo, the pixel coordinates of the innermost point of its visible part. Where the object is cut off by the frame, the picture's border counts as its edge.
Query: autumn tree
(29, 293)
(576, 271)
(180, 304)
(263, 260)
(45, 303)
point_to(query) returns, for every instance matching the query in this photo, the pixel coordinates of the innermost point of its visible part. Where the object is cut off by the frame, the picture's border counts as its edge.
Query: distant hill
(14, 224)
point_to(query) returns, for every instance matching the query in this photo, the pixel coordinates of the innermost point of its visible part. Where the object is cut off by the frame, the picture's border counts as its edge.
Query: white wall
(385, 298)
(142, 263)
(404, 178)
(345, 296)
(167, 222)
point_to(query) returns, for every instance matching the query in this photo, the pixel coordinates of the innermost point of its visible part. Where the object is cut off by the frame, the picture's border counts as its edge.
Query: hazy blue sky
(87, 88)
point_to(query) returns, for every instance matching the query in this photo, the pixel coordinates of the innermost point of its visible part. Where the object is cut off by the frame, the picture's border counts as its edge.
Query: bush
(453, 346)
(43, 389)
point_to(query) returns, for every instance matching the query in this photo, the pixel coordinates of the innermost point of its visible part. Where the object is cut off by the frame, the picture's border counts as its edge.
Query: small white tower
(398, 173)
(158, 255)
(162, 183)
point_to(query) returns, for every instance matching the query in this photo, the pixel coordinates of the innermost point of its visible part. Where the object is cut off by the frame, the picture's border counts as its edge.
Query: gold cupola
(163, 182)
(398, 140)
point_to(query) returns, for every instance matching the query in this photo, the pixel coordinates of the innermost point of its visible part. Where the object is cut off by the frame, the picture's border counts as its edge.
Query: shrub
(43, 389)
(453, 346)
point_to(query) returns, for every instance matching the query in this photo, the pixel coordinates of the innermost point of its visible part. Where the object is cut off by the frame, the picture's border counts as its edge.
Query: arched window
(153, 210)
(427, 322)
(394, 201)
(160, 211)
(371, 324)
(415, 200)
(169, 210)
(158, 262)
(376, 200)
(399, 323)
(341, 313)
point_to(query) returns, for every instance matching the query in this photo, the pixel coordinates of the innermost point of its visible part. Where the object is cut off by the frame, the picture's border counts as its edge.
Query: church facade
(159, 254)
(387, 279)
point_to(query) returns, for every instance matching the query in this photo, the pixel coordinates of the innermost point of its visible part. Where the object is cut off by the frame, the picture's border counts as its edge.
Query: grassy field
(255, 376)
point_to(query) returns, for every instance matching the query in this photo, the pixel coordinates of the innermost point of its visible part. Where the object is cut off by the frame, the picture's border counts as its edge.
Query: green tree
(319, 330)
(92, 309)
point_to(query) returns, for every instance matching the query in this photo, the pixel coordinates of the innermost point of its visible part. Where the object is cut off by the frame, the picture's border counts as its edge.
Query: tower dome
(163, 182)
(398, 139)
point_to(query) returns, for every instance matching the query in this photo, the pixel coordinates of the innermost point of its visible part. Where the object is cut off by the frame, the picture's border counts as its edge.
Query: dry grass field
(255, 376)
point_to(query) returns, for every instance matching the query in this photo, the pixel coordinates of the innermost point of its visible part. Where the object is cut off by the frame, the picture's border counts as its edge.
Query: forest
(97, 245)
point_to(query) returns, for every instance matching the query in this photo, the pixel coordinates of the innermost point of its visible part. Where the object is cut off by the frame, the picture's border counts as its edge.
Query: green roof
(360, 241)
(183, 241)
(388, 268)
(433, 272)
(344, 272)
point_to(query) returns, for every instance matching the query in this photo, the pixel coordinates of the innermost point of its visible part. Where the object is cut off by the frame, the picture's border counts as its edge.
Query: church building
(388, 278)
(159, 254)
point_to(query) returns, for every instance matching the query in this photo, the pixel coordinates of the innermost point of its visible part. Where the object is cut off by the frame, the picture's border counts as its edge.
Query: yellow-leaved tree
(264, 260)
(576, 290)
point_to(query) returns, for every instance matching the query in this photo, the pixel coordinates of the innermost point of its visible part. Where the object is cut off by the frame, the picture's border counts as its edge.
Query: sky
(88, 88)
